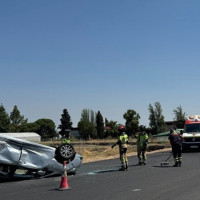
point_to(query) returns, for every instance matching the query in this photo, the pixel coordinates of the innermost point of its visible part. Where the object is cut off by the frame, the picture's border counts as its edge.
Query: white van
(191, 133)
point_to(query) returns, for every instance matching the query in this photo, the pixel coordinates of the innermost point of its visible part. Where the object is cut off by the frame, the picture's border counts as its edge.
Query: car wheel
(65, 151)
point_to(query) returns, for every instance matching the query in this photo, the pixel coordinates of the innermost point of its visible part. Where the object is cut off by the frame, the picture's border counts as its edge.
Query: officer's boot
(144, 162)
(126, 166)
(140, 161)
(123, 167)
(179, 161)
(176, 164)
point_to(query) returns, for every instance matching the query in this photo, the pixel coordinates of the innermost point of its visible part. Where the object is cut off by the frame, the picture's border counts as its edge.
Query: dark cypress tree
(17, 120)
(4, 120)
(106, 121)
(66, 122)
(99, 125)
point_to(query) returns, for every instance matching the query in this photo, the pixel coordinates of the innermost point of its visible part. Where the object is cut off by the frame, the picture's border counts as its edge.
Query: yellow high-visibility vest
(123, 138)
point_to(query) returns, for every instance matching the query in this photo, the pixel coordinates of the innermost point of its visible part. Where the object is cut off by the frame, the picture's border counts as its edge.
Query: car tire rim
(66, 151)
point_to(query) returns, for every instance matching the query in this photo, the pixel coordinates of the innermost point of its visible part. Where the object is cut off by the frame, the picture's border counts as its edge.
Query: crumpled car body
(35, 159)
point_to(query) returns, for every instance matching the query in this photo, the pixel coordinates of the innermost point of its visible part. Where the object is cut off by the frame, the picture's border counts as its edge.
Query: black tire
(65, 151)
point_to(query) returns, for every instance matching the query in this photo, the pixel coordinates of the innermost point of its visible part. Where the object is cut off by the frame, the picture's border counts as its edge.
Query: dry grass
(94, 150)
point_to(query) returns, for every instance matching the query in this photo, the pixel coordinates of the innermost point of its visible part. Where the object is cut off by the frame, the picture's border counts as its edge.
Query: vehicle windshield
(192, 128)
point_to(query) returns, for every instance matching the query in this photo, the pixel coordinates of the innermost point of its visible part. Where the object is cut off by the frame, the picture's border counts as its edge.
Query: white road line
(136, 190)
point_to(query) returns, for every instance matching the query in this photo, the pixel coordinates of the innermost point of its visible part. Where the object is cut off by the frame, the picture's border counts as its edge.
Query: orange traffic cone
(64, 183)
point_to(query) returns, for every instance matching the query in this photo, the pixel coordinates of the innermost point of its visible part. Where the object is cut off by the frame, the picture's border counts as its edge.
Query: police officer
(122, 142)
(66, 137)
(176, 143)
(142, 141)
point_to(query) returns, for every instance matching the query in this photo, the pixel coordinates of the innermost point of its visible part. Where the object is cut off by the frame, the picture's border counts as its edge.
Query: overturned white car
(23, 159)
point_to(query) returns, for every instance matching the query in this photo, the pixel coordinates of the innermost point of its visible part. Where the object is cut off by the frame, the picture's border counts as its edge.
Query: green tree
(113, 131)
(106, 121)
(152, 119)
(66, 122)
(157, 123)
(4, 120)
(132, 121)
(87, 124)
(92, 117)
(46, 128)
(99, 125)
(85, 115)
(88, 115)
(17, 120)
(87, 130)
(30, 127)
(180, 117)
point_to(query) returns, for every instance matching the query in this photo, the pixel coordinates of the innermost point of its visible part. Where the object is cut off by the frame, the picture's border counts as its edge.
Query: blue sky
(106, 55)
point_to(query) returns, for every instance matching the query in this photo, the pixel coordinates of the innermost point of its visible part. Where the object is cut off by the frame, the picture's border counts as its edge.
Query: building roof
(29, 136)
(107, 128)
(22, 134)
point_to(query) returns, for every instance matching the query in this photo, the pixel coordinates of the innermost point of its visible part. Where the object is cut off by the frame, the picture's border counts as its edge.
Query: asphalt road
(102, 180)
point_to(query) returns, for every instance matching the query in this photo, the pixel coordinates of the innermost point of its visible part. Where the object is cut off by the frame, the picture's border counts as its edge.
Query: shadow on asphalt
(110, 170)
(136, 165)
(159, 166)
(103, 171)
